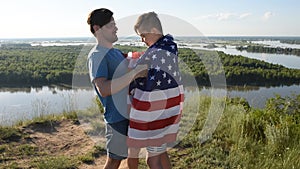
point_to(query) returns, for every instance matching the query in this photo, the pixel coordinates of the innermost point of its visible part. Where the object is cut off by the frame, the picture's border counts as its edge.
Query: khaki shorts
(116, 135)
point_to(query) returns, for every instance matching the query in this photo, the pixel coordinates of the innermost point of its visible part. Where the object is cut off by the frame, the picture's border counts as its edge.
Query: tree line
(262, 49)
(238, 70)
(38, 65)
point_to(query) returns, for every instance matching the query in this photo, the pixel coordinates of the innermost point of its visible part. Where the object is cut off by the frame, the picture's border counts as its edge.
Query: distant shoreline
(210, 36)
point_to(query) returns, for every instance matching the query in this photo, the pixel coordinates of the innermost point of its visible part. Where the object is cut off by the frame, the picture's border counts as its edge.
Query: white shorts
(157, 150)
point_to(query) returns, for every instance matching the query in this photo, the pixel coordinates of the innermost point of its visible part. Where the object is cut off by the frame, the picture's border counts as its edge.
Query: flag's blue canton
(163, 72)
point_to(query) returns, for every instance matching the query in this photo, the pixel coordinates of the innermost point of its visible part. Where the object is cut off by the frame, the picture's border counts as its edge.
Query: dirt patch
(59, 138)
(51, 138)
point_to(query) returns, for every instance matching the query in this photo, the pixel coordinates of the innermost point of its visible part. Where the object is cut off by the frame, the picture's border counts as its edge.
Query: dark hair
(99, 17)
(147, 21)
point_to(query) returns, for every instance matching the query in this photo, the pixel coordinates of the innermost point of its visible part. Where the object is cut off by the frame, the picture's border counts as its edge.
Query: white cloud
(267, 15)
(225, 16)
(207, 17)
(244, 15)
(219, 16)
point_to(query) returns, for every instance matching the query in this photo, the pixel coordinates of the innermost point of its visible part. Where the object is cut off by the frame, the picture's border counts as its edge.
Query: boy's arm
(109, 87)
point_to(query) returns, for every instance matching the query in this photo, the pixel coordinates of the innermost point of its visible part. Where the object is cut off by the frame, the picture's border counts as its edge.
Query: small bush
(9, 134)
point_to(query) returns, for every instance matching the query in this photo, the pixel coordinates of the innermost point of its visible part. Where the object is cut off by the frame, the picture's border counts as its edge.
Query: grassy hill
(244, 138)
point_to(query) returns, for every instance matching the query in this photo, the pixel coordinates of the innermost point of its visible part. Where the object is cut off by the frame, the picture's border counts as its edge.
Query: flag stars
(158, 83)
(174, 73)
(157, 68)
(152, 77)
(164, 75)
(170, 67)
(154, 57)
(169, 81)
(166, 39)
(152, 51)
(168, 53)
(173, 46)
(141, 84)
(163, 60)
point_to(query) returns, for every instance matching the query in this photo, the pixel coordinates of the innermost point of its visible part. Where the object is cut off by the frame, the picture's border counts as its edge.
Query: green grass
(55, 162)
(245, 137)
(9, 133)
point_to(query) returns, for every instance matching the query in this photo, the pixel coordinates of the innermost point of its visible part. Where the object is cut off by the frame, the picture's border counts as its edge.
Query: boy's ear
(96, 28)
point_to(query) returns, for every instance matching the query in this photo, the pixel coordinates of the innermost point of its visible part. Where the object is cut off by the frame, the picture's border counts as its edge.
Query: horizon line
(57, 37)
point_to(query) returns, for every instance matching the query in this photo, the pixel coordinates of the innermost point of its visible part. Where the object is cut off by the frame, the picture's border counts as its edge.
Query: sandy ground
(64, 138)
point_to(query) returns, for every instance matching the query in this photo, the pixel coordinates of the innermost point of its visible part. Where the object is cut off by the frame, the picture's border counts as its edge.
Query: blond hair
(147, 21)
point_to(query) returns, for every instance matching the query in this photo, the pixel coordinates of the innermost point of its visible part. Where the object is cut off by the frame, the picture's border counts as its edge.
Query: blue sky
(67, 18)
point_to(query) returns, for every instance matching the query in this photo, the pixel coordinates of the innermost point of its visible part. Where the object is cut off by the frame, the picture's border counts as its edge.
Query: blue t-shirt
(110, 64)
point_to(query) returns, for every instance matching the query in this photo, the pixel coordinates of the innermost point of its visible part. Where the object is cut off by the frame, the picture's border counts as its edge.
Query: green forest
(25, 65)
(238, 70)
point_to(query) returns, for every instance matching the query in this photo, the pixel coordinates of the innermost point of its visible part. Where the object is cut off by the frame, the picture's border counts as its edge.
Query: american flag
(157, 100)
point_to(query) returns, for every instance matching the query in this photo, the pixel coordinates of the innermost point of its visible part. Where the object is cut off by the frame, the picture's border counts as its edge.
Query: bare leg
(133, 158)
(154, 161)
(112, 163)
(165, 160)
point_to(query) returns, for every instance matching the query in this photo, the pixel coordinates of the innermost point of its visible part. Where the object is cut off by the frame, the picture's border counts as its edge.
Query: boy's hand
(141, 71)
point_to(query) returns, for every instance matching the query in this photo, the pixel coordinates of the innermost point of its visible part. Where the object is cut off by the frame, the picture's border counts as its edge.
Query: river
(289, 61)
(26, 103)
